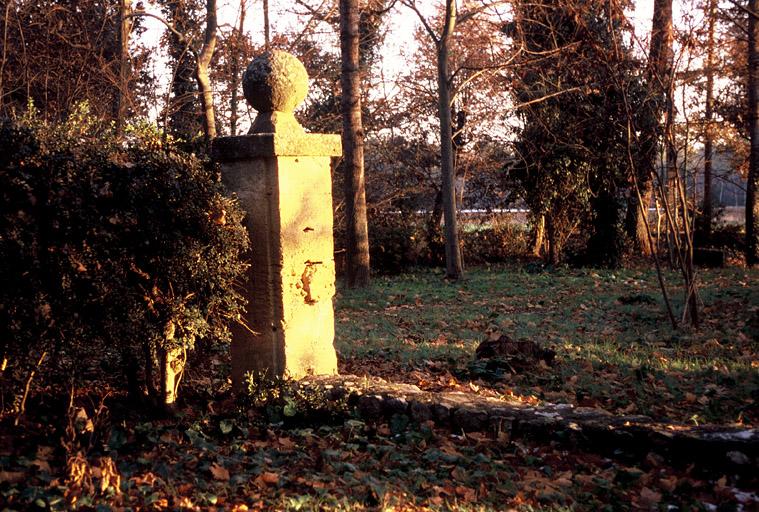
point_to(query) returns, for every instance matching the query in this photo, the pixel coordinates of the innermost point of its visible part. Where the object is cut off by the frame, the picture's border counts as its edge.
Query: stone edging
(721, 447)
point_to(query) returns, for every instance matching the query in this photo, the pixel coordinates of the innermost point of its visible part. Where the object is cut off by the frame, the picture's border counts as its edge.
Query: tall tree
(236, 47)
(181, 116)
(124, 30)
(454, 267)
(572, 86)
(706, 220)
(201, 73)
(353, 147)
(752, 206)
(658, 102)
(267, 28)
(191, 76)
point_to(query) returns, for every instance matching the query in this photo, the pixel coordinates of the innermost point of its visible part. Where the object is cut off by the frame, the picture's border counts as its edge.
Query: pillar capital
(267, 145)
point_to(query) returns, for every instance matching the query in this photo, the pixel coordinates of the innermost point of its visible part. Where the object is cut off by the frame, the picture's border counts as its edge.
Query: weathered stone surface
(291, 274)
(274, 84)
(269, 145)
(396, 405)
(371, 406)
(420, 411)
(470, 419)
(275, 81)
(283, 181)
(441, 413)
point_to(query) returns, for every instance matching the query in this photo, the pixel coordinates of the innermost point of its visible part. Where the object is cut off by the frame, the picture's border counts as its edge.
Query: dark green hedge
(109, 246)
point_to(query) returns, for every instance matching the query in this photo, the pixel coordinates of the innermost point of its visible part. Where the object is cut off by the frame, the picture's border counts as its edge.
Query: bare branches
(182, 37)
(411, 4)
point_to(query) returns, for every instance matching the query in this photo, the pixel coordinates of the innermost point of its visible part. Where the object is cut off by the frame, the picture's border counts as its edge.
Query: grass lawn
(615, 347)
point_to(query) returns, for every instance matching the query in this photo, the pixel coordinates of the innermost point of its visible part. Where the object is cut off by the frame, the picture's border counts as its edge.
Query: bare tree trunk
(636, 219)
(433, 229)
(453, 265)
(706, 222)
(202, 75)
(353, 148)
(554, 242)
(659, 77)
(4, 58)
(267, 27)
(125, 27)
(539, 236)
(236, 72)
(172, 368)
(671, 175)
(752, 206)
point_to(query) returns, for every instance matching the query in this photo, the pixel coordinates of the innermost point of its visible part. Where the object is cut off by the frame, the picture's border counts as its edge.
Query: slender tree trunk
(180, 114)
(125, 27)
(658, 76)
(706, 223)
(233, 101)
(635, 219)
(453, 265)
(202, 75)
(433, 229)
(752, 206)
(172, 368)
(267, 27)
(353, 148)
(554, 243)
(670, 168)
(539, 236)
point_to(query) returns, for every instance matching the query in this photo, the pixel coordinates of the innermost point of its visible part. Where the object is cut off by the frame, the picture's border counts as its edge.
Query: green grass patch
(615, 346)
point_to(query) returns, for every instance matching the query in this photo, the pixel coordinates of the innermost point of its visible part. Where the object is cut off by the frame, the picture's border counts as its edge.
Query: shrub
(111, 248)
(396, 241)
(283, 399)
(494, 242)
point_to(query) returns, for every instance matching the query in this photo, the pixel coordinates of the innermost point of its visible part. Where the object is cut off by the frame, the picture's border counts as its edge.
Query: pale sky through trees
(399, 42)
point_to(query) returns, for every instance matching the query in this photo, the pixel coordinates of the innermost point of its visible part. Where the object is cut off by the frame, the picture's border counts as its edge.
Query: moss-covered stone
(275, 81)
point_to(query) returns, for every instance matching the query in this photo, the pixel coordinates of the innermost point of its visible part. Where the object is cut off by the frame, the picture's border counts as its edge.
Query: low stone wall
(720, 447)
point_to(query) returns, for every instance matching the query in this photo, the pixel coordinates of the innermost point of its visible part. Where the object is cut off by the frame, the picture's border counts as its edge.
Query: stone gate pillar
(281, 175)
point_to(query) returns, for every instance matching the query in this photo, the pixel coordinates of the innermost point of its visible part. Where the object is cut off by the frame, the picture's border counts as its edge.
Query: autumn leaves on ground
(614, 350)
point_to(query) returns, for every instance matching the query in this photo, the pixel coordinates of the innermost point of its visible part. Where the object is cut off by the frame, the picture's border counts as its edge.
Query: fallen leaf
(186, 503)
(45, 452)
(669, 484)
(649, 498)
(478, 437)
(219, 472)
(459, 474)
(466, 493)
(109, 475)
(42, 465)
(269, 478)
(286, 443)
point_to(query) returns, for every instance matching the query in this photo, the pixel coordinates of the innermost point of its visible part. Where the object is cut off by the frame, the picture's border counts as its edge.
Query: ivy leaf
(226, 426)
(290, 409)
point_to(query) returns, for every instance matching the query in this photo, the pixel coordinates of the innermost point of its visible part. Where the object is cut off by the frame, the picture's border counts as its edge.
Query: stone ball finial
(275, 81)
